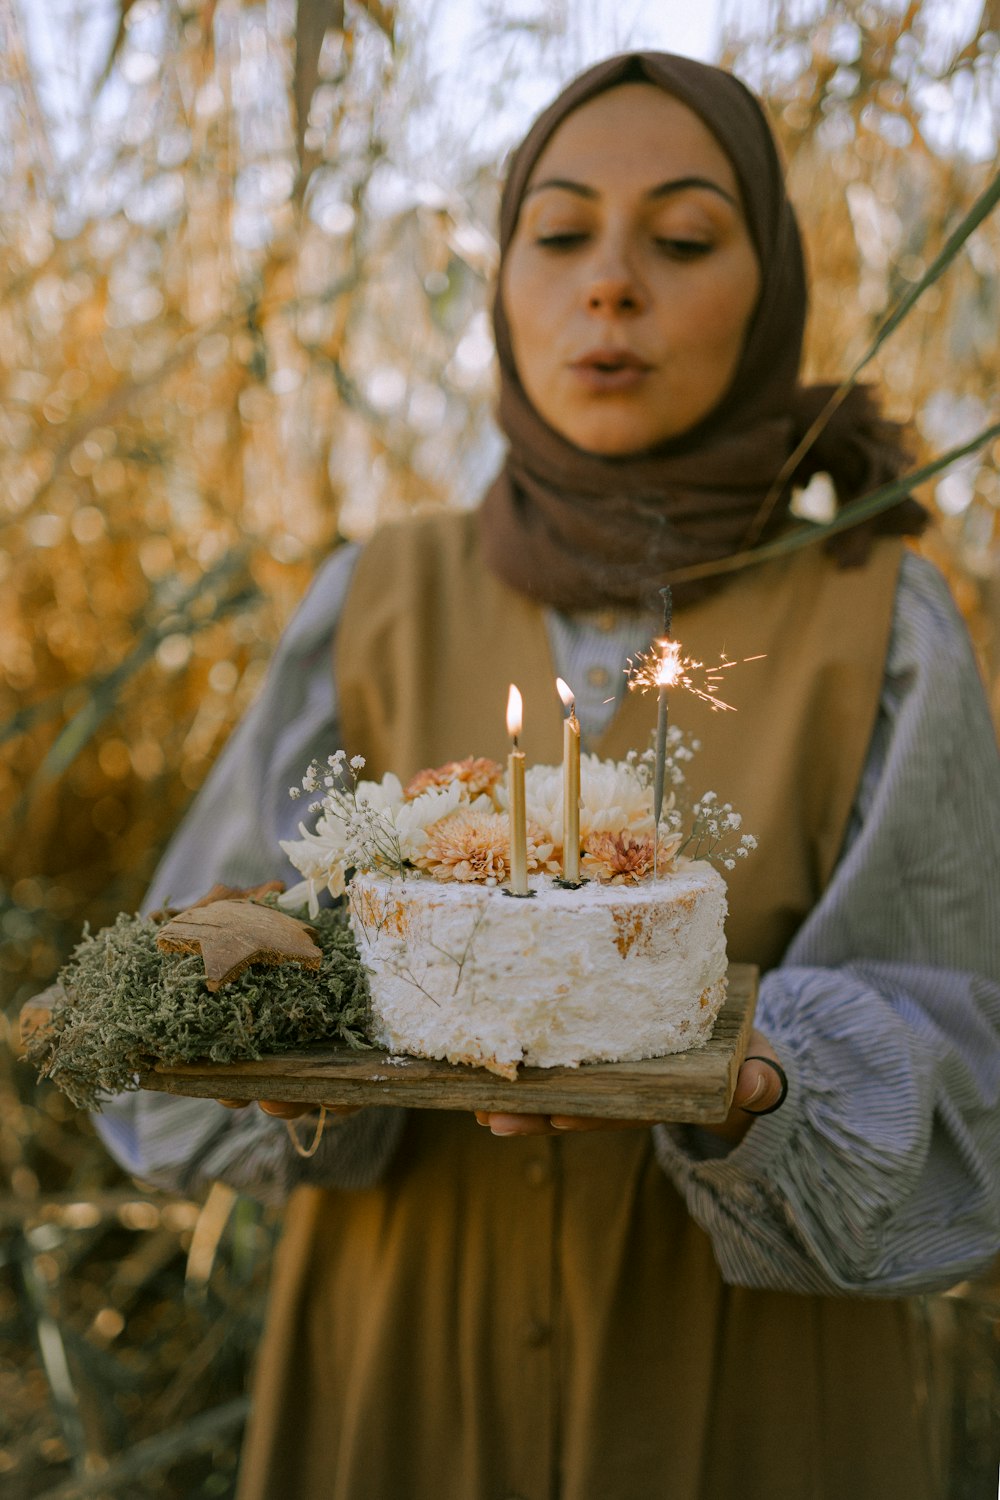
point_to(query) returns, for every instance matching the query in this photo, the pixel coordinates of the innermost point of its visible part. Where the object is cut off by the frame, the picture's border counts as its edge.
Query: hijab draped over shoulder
(579, 530)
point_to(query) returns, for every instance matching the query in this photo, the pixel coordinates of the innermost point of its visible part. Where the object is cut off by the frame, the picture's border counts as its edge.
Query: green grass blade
(886, 496)
(983, 206)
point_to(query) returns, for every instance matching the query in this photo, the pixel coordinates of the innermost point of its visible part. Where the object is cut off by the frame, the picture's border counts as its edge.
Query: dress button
(605, 620)
(537, 1172)
(598, 677)
(536, 1334)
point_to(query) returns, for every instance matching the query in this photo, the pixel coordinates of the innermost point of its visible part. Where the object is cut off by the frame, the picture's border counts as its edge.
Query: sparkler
(648, 670)
(662, 667)
(666, 677)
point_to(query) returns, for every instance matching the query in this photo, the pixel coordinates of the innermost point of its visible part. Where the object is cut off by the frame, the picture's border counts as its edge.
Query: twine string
(292, 1127)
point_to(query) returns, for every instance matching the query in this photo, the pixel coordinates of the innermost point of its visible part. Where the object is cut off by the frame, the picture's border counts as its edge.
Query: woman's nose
(614, 290)
(613, 295)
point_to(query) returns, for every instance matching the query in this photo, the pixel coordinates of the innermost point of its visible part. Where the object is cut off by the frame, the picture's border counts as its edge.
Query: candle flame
(515, 712)
(665, 665)
(566, 693)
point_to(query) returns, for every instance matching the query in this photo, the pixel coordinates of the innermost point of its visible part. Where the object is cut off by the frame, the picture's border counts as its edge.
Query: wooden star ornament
(232, 935)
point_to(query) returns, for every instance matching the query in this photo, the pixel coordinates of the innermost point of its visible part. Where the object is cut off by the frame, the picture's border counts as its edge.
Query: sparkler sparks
(665, 665)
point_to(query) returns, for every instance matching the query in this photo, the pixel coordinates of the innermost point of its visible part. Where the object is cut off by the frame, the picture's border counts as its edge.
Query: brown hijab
(576, 529)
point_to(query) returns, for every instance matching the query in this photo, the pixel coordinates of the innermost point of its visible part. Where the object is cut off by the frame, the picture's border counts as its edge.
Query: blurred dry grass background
(246, 318)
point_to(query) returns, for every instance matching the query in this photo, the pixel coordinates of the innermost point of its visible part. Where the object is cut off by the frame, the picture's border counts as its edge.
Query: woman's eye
(564, 240)
(678, 249)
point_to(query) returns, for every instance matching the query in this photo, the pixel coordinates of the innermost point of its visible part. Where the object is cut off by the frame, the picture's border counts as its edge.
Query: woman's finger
(501, 1124)
(290, 1109)
(285, 1109)
(761, 1086)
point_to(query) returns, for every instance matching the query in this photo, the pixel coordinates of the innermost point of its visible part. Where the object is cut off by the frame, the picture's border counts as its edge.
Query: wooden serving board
(695, 1086)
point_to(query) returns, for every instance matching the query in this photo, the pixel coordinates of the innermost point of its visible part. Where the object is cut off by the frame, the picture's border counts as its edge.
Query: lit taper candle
(516, 808)
(571, 785)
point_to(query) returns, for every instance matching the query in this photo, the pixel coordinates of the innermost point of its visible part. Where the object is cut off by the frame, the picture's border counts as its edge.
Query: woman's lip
(610, 359)
(610, 371)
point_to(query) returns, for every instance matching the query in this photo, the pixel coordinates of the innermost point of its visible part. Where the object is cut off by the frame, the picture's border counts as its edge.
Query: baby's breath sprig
(372, 841)
(680, 752)
(712, 830)
(370, 837)
(715, 833)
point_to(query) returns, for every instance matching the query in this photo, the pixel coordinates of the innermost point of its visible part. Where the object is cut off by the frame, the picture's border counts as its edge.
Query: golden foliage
(890, 132)
(199, 362)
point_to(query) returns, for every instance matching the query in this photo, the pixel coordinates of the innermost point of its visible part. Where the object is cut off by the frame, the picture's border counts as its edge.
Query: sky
(471, 56)
(470, 44)
(485, 65)
(596, 26)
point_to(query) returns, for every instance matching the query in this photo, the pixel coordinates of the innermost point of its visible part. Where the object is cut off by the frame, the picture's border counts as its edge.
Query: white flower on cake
(319, 856)
(412, 820)
(543, 790)
(614, 796)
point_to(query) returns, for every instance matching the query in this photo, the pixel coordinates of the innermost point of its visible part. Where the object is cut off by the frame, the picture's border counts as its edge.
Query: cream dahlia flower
(627, 858)
(474, 844)
(477, 775)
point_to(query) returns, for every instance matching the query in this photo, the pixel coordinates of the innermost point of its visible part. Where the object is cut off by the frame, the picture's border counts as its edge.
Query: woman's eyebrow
(680, 184)
(662, 189)
(579, 188)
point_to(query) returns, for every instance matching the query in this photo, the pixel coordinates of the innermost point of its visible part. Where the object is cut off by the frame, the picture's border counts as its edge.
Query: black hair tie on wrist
(755, 1057)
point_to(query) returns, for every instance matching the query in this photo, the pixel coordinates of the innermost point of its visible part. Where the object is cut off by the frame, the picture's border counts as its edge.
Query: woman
(623, 1312)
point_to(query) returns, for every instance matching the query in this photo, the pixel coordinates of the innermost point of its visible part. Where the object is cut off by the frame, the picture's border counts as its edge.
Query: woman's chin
(608, 441)
(612, 430)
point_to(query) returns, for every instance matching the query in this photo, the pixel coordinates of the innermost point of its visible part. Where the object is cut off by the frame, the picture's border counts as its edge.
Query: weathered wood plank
(696, 1086)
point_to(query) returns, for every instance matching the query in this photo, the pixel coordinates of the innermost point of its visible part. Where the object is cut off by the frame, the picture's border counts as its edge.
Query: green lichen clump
(121, 1005)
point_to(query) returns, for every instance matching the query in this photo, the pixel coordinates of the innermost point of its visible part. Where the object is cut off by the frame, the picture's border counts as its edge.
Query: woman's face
(631, 278)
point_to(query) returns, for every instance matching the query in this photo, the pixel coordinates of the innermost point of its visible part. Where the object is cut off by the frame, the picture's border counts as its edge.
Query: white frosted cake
(602, 973)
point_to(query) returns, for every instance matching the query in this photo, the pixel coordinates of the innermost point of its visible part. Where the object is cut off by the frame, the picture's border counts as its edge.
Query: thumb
(761, 1085)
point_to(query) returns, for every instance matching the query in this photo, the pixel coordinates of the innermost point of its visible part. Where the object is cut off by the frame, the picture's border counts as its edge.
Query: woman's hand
(758, 1089)
(290, 1109)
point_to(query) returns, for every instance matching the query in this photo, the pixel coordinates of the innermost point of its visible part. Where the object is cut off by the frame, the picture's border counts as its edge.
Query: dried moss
(124, 1004)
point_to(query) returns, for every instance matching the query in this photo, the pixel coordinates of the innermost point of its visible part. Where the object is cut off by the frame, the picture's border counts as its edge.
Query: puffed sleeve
(880, 1174)
(231, 835)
